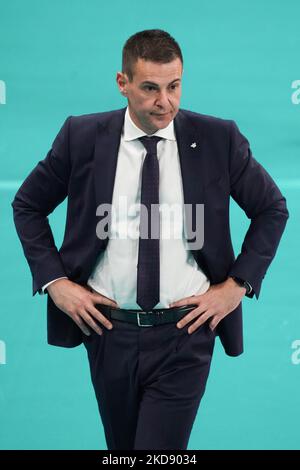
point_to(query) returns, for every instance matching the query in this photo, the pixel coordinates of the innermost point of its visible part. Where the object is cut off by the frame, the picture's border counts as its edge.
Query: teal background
(60, 58)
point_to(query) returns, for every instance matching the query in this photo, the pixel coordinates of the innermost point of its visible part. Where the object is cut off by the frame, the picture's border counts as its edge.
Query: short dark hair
(151, 44)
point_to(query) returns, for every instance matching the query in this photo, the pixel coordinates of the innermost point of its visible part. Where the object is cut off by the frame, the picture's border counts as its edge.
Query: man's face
(154, 94)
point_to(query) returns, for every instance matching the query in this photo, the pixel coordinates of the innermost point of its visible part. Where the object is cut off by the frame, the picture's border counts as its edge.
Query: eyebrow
(155, 84)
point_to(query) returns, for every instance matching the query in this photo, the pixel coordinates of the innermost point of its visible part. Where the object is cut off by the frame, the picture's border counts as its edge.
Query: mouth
(156, 114)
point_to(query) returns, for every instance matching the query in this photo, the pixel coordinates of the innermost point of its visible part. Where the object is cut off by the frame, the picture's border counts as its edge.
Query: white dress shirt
(115, 272)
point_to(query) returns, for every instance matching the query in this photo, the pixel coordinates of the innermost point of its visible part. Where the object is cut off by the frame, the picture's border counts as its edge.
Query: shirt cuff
(42, 290)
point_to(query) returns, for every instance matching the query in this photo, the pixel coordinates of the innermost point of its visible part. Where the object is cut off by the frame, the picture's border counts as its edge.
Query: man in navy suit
(148, 310)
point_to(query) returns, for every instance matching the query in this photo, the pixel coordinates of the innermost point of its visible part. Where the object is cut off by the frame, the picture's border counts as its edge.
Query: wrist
(242, 284)
(55, 283)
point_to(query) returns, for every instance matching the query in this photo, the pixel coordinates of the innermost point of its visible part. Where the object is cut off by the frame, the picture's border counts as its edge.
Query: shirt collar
(131, 131)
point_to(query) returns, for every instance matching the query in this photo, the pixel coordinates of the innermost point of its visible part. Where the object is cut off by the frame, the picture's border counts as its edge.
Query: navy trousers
(149, 382)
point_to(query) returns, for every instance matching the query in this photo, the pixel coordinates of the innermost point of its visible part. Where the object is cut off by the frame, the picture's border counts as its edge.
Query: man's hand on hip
(217, 302)
(79, 303)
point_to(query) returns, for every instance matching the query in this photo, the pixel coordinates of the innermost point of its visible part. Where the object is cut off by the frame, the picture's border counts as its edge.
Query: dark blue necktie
(148, 279)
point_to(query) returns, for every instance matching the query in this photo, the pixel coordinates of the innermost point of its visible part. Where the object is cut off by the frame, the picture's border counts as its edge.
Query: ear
(121, 81)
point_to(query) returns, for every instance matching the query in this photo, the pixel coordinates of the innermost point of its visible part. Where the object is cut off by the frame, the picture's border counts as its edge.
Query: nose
(162, 100)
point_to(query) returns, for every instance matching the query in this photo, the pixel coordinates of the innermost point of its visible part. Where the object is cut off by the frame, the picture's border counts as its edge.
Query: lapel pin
(194, 145)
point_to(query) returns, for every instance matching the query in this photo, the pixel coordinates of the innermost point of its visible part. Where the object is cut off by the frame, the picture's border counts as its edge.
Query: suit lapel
(191, 158)
(106, 155)
(109, 128)
(190, 142)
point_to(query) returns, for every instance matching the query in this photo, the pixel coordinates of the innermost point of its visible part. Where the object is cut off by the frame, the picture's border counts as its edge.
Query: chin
(158, 120)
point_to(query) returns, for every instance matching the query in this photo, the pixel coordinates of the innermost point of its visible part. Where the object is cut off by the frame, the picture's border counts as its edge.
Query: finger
(99, 316)
(213, 323)
(189, 316)
(185, 301)
(198, 323)
(100, 299)
(81, 325)
(89, 320)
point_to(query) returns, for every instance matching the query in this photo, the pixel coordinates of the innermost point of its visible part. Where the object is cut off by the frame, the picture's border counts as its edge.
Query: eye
(149, 87)
(175, 85)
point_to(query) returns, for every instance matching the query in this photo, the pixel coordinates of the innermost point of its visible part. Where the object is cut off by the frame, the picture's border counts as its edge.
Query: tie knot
(150, 143)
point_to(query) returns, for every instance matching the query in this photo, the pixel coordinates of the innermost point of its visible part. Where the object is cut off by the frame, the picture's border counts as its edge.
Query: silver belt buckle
(138, 318)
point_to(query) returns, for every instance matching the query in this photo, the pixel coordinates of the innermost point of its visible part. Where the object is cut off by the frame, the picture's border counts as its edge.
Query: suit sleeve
(43, 190)
(258, 195)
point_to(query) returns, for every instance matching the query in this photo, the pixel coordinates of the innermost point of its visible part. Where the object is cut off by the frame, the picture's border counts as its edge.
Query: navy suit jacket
(81, 166)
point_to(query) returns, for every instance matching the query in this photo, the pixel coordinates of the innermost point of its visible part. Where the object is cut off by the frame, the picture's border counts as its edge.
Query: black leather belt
(141, 318)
